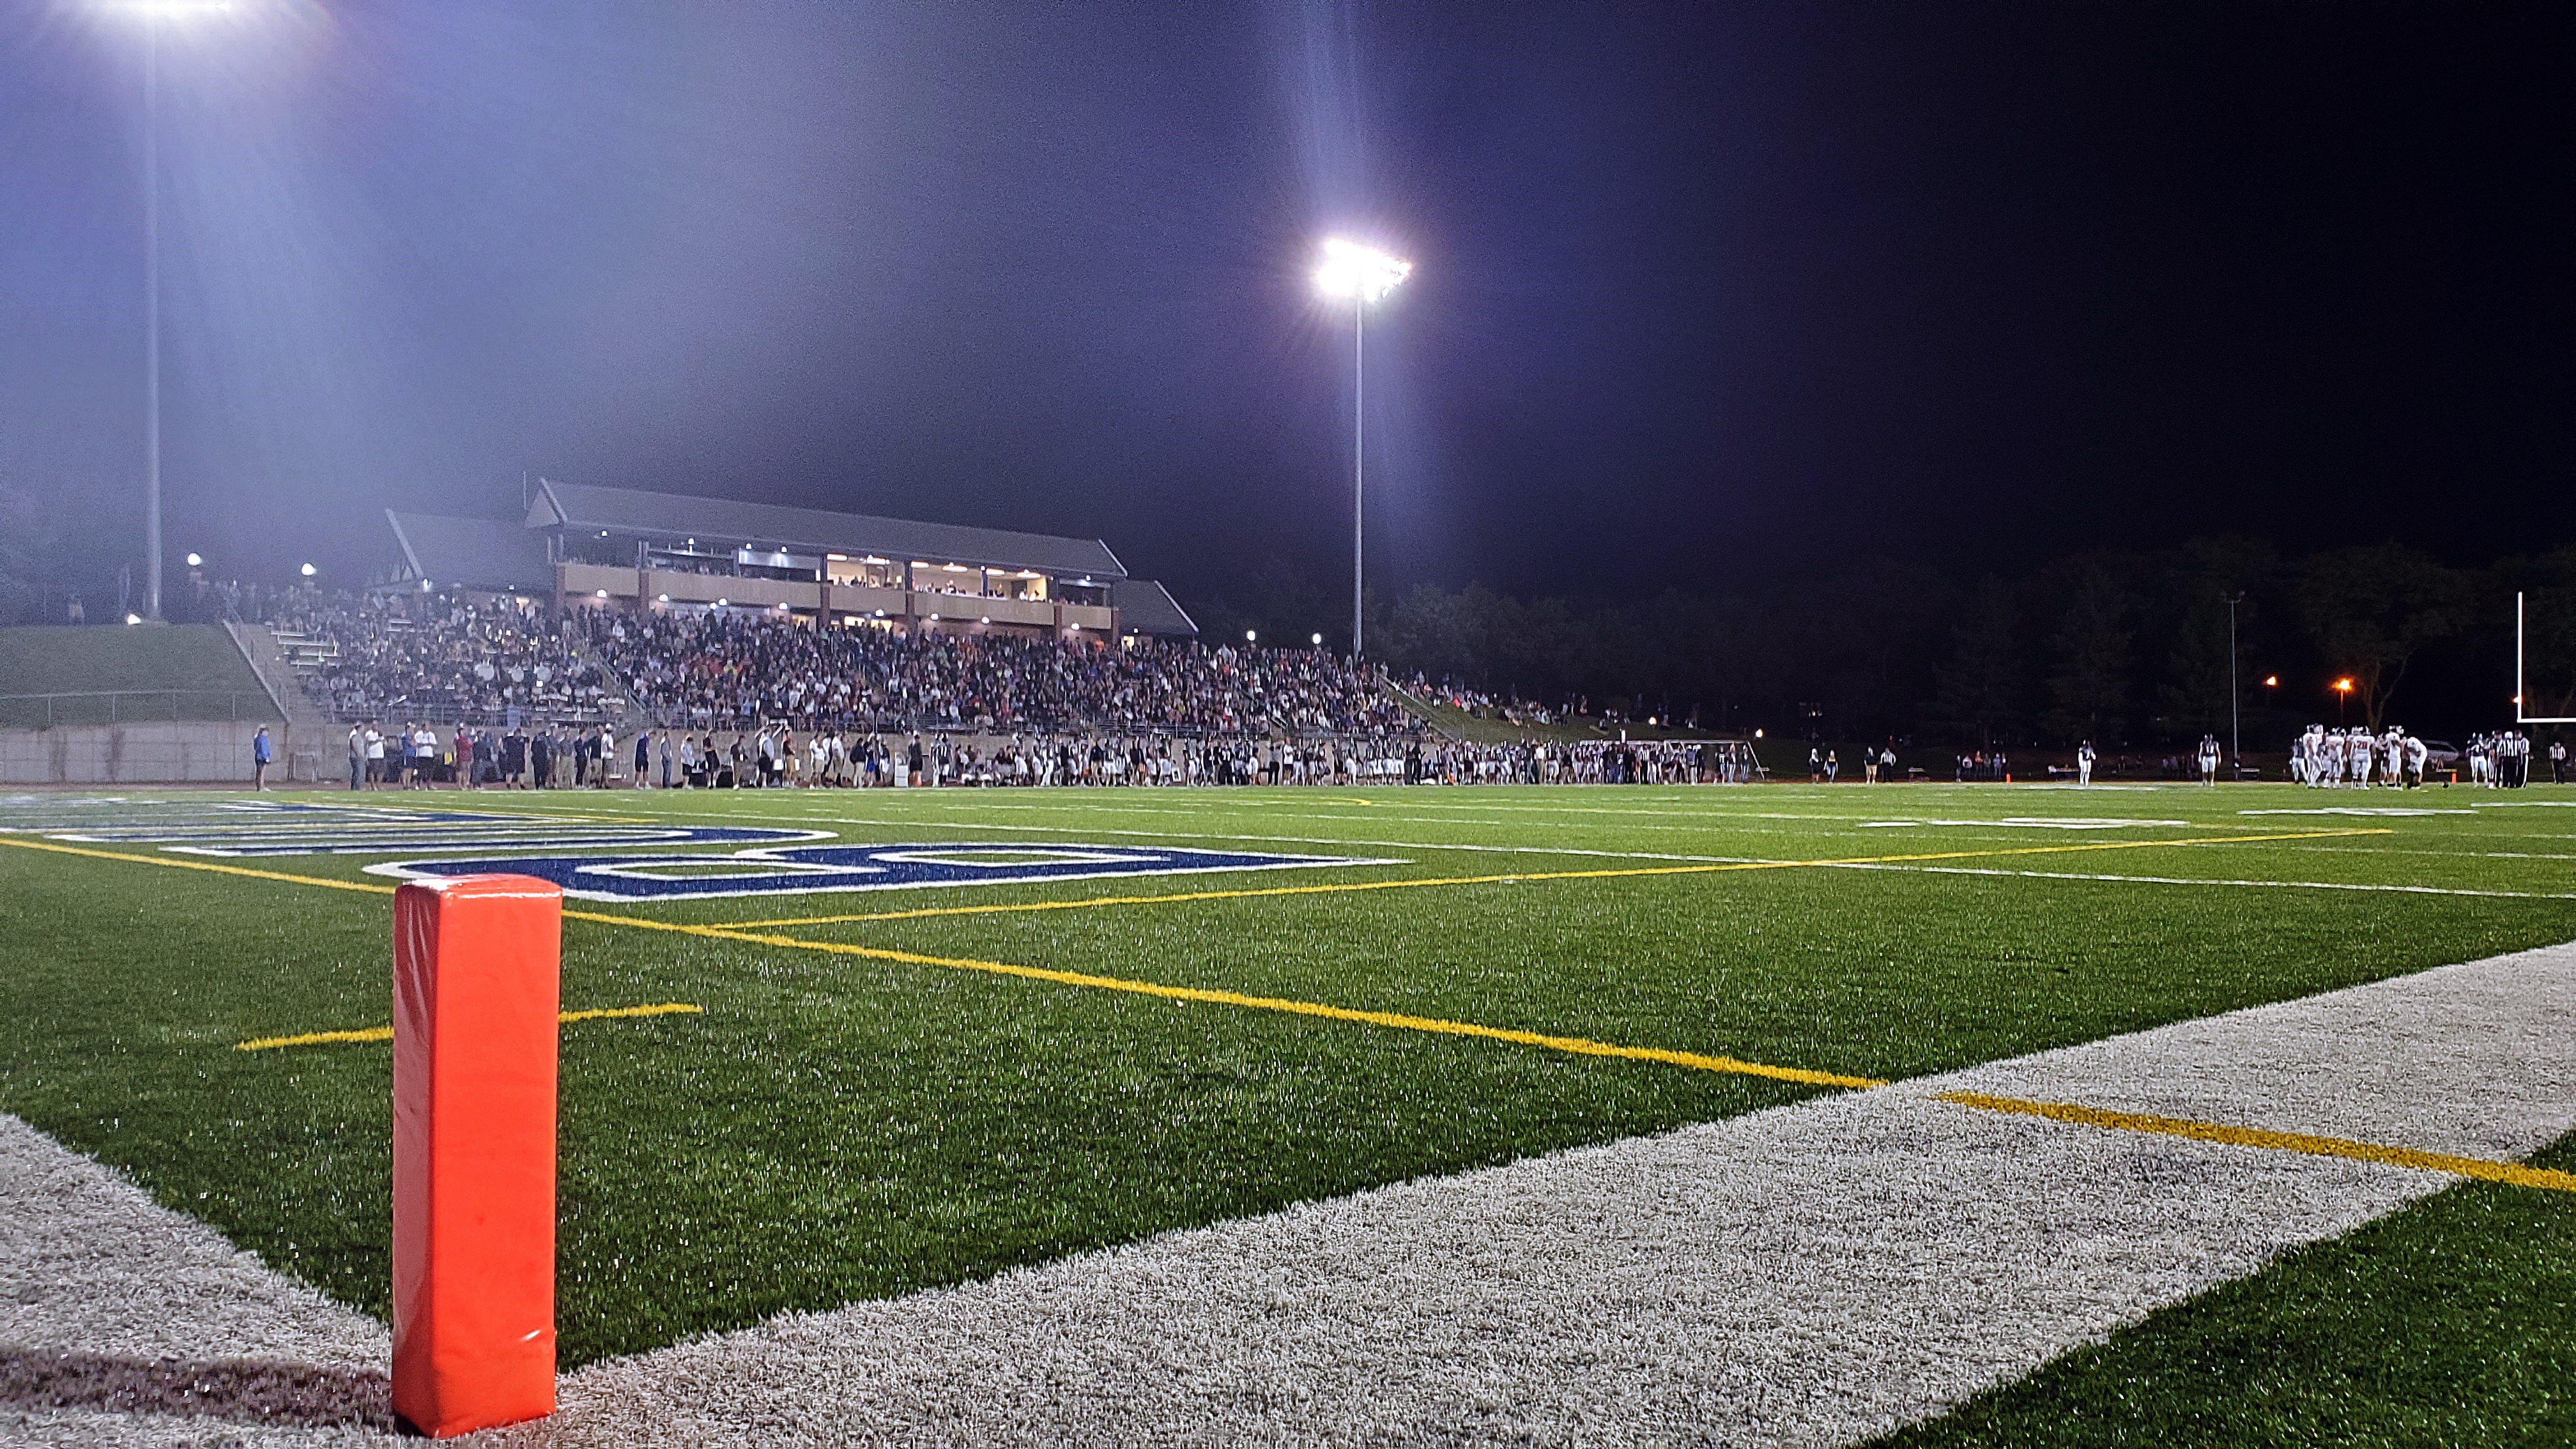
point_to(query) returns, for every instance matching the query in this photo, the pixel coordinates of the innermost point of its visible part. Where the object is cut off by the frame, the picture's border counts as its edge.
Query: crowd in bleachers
(705, 671)
(441, 659)
(734, 699)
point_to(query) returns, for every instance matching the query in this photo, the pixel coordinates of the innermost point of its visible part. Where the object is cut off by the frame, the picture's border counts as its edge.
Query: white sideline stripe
(1811, 1274)
(90, 1264)
(2182, 880)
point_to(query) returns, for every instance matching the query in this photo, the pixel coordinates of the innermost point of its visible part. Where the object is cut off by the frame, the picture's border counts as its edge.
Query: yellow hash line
(2477, 1167)
(1577, 1045)
(1535, 875)
(386, 1033)
(312, 880)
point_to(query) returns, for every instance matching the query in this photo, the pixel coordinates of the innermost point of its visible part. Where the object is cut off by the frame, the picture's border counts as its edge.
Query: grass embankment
(204, 676)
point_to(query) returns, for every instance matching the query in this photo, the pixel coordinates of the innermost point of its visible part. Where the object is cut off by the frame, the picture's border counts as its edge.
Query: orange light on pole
(2343, 691)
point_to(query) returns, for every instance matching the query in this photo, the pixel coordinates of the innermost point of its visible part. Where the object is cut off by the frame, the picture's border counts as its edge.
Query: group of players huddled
(2323, 758)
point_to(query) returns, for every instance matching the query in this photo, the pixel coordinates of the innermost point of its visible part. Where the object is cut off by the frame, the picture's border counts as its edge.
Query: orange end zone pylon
(477, 976)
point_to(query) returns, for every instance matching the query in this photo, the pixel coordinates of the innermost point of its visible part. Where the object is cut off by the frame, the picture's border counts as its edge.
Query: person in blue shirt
(259, 759)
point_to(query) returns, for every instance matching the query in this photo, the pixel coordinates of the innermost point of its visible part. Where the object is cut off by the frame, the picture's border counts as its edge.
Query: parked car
(2440, 755)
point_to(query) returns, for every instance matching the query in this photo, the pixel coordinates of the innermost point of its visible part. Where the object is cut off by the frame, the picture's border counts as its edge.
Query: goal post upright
(2520, 695)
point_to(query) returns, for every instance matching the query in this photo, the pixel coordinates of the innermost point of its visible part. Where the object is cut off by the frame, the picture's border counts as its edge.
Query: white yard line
(2184, 880)
(1812, 1274)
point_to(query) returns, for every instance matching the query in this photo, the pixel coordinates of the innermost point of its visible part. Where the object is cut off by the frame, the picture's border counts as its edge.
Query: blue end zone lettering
(812, 868)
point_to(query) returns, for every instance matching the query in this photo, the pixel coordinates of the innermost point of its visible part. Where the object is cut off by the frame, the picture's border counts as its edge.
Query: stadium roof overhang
(574, 507)
(1146, 607)
(473, 553)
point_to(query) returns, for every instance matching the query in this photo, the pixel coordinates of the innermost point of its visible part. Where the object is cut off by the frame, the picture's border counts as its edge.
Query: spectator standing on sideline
(666, 759)
(259, 759)
(2557, 762)
(357, 757)
(464, 744)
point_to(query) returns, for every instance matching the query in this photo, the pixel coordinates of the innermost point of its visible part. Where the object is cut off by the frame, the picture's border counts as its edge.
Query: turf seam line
(2220, 1132)
(386, 1033)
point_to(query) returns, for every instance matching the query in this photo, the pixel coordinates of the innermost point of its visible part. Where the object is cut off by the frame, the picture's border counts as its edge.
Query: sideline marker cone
(477, 978)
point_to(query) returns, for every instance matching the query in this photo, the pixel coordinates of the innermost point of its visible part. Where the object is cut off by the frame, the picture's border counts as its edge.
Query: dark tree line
(2128, 648)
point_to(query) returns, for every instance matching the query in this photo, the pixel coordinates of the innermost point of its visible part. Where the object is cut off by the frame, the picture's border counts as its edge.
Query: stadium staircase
(1419, 709)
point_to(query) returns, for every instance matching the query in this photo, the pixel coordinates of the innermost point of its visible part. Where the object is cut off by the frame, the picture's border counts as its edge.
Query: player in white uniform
(2209, 759)
(2084, 763)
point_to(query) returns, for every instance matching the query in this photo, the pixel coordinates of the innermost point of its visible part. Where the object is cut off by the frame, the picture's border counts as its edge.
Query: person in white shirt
(2209, 759)
(2084, 763)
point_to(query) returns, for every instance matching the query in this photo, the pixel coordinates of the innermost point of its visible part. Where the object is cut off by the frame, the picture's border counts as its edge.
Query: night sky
(1704, 293)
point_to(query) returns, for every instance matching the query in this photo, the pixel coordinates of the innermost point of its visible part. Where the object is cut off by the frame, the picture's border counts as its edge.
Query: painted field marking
(1435, 1025)
(2477, 1167)
(386, 1033)
(1576, 1045)
(1888, 861)
(2184, 880)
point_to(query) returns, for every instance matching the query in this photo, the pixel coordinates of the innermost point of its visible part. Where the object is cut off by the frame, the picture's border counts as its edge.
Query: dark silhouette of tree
(2371, 610)
(1982, 686)
(2089, 655)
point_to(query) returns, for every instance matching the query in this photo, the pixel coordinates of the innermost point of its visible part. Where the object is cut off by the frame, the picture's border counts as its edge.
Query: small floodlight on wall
(308, 571)
(1250, 637)
(1316, 639)
(661, 598)
(603, 593)
(132, 619)
(194, 560)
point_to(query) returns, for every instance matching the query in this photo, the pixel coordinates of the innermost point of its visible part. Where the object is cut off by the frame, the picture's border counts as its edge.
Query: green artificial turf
(2453, 1322)
(838, 1127)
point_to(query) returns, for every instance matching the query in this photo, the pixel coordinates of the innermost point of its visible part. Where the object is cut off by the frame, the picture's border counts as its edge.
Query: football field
(830, 1047)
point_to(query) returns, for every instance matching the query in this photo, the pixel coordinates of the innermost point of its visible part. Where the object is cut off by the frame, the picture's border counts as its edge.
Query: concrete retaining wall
(168, 752)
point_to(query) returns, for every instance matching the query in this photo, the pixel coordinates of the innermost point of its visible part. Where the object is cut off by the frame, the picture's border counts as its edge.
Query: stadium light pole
(152, 13)
(1364, 275)
(2235, 727)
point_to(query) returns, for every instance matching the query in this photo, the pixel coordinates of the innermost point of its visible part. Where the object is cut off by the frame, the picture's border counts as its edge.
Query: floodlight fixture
(1352, 270)
(308, 571)
(1317, 640)
(195, 560)
(2343, 686)
(133, 619)
(1251, 637)
(2271, 681)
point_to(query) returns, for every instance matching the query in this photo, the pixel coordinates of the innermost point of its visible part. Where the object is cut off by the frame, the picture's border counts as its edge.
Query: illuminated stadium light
(1317, 640)
(1352, 270)
(934, 618)
(1249, 637)
(661, 598)
(133, 619)
(308, 571)
(603, 593)
(1362, 275)
(987, 619)
(195, 559)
